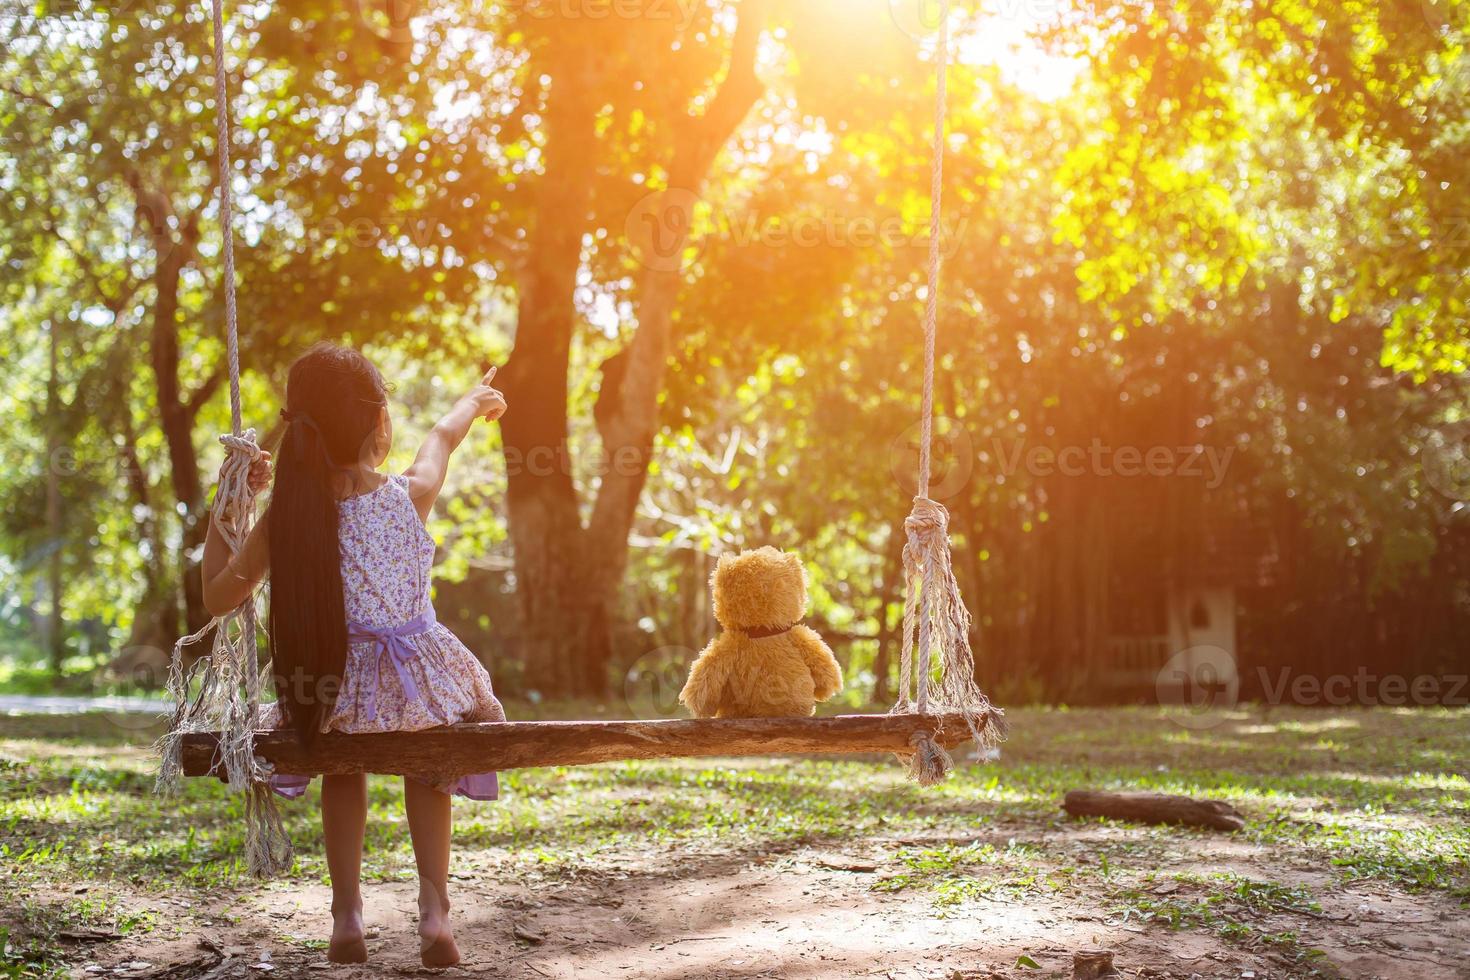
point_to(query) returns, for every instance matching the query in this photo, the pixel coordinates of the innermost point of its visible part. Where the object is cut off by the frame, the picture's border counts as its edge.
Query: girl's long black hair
(334, 403)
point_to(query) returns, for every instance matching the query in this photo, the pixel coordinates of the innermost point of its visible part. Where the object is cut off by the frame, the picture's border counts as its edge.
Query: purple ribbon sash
(393, 647)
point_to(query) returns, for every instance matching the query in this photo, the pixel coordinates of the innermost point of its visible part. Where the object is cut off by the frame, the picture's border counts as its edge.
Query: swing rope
(234, 657)
(225, 709)
(934, 613)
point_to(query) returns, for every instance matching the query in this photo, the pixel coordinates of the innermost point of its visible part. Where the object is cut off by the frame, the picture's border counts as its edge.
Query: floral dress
(405, 672)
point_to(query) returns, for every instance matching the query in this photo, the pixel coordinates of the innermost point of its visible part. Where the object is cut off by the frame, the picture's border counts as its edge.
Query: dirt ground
(804, 914)
(1355, 862)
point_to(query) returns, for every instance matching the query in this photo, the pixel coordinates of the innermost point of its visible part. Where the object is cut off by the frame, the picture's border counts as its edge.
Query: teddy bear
(764, 663)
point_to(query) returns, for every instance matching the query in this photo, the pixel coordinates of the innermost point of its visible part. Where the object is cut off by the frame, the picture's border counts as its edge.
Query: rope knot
(234, 502)
(928, 519)
(243, 444)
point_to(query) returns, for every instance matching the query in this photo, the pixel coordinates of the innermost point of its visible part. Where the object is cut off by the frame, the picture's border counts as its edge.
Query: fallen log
(1153, 808)
(1091, 963)
(457, 750)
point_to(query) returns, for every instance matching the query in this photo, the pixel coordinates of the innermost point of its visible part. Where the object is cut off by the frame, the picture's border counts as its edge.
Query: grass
(1370, 794)
(80, 677)
(1230, 905)
(31, 945)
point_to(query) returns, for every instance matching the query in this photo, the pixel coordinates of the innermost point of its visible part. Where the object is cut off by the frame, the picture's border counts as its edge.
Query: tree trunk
(890, 629)
(177, 413)
(155, 627)
(565, 621)
(627, 416)
(178, 436)
(568, 575)
(565, 641)
(55, 632)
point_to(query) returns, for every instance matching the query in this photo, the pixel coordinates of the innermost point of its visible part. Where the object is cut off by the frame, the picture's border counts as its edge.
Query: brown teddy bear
(764, 663)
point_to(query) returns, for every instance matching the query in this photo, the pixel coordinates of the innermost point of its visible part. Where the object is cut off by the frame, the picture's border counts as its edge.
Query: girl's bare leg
(429, 825)
(344, 819)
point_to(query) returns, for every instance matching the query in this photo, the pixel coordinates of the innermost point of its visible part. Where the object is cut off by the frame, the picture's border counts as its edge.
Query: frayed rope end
(930, 763)
(170, 776)
(268, 850)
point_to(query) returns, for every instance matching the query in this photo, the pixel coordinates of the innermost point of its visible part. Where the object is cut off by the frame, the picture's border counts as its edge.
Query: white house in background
(1175, 591)
(1187, 619)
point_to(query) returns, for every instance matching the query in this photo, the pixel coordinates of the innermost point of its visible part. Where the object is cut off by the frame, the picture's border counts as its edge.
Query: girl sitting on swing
(353, 640)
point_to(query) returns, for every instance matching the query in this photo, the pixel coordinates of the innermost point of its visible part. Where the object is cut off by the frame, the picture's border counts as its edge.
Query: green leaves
(1293, 138)
(1235, 228)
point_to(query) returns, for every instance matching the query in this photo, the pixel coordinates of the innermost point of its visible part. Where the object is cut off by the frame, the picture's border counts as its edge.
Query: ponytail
(334, 397)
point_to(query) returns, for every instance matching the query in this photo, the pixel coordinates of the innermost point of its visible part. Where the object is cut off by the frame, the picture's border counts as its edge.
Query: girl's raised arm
(426, 475)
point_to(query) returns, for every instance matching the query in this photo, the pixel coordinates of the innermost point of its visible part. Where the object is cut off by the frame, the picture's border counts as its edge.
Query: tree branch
(114, 303)
(28, 96)
(201, 395)
(628, 421)
(704, 135)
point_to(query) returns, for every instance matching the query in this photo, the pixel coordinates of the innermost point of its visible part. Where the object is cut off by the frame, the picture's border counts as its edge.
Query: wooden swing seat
(935, 626)
(457, 750)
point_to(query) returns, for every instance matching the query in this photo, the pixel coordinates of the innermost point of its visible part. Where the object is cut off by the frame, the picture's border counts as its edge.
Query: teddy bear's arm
(704, 692)
(826, 672)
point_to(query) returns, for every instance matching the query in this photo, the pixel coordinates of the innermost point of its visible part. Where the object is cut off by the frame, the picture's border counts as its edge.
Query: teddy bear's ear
(797, 570)
(722, 564)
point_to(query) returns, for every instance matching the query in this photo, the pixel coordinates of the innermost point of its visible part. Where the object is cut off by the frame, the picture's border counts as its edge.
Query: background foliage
(1237, 226)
